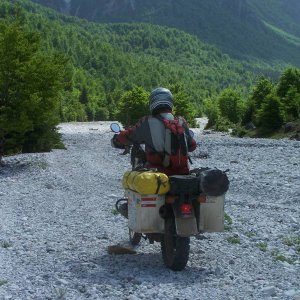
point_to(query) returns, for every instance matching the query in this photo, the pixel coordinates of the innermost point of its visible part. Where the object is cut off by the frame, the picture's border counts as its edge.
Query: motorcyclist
(167, 138)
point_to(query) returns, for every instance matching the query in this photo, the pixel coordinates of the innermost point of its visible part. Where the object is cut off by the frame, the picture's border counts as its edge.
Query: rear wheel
(134, 237)
(175, 249)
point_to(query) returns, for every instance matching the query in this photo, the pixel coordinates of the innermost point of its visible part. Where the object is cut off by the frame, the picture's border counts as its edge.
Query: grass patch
(5, 244)
(293, 242)
(262, 246)
(3, 281)
(250, 234)
(114, 212)
(42, 165)
(277, 256)
(228, 222)
(233, 240)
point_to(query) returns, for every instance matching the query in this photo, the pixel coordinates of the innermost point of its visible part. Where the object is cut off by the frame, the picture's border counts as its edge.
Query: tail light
(186, 209)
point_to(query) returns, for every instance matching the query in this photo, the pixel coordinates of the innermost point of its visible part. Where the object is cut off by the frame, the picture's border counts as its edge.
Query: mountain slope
(238, 27)
(107, 59)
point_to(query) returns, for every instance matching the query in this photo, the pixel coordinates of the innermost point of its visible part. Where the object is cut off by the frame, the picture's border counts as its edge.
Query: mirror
(115, 127)
(191, 133)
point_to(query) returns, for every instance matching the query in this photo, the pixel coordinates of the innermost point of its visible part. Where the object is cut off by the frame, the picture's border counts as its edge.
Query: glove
(115, 143)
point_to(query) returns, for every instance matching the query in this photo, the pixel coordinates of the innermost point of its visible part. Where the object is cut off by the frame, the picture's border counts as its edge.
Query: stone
(290, 293)
(268, 291)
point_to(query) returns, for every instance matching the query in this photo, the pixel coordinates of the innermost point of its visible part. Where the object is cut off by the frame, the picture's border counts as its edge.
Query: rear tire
(175, 249)
(134, 237)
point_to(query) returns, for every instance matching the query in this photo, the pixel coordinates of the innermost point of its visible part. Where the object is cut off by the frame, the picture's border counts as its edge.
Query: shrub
(132, 106)
(182, 105)
(270, 117)
(211, 110)
(233, 240)
(262, 246)
(30, 98)
(230, 105)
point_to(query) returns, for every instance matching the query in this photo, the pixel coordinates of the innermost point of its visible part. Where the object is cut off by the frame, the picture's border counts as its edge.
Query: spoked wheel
(175, 249)
(134, 237)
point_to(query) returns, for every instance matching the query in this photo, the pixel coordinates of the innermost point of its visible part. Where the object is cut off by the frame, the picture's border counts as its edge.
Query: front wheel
(175, 249)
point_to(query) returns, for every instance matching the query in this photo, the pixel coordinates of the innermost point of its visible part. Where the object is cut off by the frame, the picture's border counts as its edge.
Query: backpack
(175, 149)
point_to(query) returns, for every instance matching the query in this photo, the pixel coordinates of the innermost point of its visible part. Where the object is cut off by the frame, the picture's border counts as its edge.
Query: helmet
(160, 98)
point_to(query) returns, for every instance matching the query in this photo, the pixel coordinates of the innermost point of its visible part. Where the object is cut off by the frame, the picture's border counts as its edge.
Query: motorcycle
(194, 204)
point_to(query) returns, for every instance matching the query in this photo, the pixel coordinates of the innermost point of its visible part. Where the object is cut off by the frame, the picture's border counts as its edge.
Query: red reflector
(186, 209)
(201, 198)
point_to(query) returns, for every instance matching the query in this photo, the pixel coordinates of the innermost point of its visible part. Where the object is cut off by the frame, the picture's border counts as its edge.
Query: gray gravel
(57, 220)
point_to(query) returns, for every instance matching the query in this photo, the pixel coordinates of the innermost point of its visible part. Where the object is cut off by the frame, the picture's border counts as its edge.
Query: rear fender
(185, 225)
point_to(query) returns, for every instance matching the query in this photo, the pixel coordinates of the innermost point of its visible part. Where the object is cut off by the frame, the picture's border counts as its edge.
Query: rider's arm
(135, 134)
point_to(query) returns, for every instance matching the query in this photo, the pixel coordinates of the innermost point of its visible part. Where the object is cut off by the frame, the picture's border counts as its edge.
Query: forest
(252, 30)
(268, 106)
(55, 68)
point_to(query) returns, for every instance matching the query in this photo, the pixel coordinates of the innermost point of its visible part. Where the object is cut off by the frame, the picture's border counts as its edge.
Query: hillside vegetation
(96, 64)
(266, 109)
(106, 60)
(247, 30)
(57, 68)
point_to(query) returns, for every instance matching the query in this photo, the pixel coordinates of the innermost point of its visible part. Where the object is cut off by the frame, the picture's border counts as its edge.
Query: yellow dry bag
(146, 183)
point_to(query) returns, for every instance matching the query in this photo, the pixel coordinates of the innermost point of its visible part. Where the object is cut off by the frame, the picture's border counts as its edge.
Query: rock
(250, 126)
(234, 162)
(290, 293)
(218, 271)
(288, 127)
(231, 262)
(201, 237)
(50, 250)
(294, 220)
(207, 131)
(295, 136)
(63, 281)
(49, 186)
(81, 288)
(268, 291)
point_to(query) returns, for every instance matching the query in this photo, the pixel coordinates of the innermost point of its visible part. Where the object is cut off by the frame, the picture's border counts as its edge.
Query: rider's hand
(115, 143)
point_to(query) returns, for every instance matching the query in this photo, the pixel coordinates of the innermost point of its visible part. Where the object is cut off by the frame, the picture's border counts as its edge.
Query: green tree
(230, 105)
(71, 109)
(183, 105)
(31, 85)
(211, 110)
(291, 104)
(132, 106)
(289, 78)
(83, 98)
(261, 90)
(270, 116)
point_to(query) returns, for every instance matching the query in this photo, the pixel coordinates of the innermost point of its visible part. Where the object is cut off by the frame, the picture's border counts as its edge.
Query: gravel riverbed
(57, 220)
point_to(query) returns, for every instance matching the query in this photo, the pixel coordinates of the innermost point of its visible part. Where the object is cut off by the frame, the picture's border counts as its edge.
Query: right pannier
(213, 182)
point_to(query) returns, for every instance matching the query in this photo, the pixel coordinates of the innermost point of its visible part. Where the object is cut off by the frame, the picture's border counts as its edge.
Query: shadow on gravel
(13, 168)
(248, 143)
(134, 269)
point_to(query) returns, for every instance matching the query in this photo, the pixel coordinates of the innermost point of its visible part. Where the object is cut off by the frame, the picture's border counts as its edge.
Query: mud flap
(185, 226)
